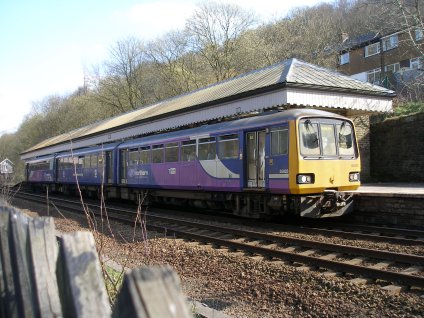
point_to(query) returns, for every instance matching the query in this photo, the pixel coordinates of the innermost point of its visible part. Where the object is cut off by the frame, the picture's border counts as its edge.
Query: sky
(46, 46)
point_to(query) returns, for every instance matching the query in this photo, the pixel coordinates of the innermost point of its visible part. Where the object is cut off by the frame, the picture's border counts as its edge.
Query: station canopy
(289, 84)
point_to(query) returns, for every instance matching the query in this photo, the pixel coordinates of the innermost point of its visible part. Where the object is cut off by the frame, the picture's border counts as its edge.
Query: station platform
(392, 189)
(399, 204)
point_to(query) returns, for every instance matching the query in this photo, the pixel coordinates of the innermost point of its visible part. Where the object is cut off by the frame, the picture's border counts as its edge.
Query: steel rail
(254, 235)
(343, 267)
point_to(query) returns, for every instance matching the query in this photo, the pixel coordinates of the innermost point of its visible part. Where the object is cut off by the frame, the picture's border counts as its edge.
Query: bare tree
(174, 63)
(120, 87)
(215, 29)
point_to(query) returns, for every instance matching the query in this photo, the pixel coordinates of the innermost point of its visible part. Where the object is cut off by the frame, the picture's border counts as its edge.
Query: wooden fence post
(151, 292)
(83, 291)
(45, 276)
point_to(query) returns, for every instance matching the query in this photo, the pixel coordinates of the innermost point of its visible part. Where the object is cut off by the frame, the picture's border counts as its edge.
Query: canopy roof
(290, 82)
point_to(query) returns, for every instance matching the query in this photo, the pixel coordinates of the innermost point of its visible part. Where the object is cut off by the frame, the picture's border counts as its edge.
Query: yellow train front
(323, 163)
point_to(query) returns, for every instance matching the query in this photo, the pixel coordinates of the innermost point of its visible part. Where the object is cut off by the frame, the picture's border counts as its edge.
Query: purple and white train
(294, 161)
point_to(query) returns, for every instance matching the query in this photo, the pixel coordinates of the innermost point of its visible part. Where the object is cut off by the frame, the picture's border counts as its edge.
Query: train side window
(145, 155)
(345, 139)
(133, 157)
(309, 139)
(171, 152)
(228, 147)
(101, 160)
(207, 148)
(157, 153)
(188, 150)
(93, 161)
(87, 161)
(80, 163)
(328, 138)
(279, 141)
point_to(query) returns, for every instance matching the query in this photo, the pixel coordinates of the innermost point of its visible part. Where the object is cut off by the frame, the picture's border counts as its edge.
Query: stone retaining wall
(397, 149)
(389, 209)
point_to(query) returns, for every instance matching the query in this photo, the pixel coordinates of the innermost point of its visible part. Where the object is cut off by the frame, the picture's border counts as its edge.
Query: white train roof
(291, 83)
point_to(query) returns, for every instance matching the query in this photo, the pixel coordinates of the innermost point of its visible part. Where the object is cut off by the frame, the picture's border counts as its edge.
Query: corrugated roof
(288, 73)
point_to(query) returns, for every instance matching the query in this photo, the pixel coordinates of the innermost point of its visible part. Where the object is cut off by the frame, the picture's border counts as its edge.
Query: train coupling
(330, 203)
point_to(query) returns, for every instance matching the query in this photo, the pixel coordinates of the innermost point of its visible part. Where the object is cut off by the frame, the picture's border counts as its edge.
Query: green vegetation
(113, 280)
(408, 108)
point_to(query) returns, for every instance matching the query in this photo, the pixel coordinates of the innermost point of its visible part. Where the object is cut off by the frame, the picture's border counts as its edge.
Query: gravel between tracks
(244, 286)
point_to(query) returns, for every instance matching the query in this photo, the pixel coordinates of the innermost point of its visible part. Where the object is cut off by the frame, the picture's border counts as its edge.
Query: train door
(255, 155)
(123, 165)
(109, 167)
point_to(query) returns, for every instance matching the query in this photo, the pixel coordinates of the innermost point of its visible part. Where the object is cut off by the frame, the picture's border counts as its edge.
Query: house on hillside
(6, 170)
(6, 166)
(389, 60)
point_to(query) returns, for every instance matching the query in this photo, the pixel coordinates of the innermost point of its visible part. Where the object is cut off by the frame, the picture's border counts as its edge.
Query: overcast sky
(47, 44)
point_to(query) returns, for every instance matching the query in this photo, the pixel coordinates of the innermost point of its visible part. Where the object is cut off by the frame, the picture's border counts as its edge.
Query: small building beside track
(289, 84)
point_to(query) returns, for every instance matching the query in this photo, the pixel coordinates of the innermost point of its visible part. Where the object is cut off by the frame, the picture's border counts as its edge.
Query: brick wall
(397, 149)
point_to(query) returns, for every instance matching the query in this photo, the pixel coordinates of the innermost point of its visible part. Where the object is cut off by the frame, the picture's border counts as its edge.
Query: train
(302, 162)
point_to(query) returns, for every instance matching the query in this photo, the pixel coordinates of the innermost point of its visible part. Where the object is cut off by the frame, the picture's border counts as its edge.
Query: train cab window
(207, 148)
(171, 152)
(309, 139)
(145, 155)
(279, 141)
(133, 157)
(228, 146)
(345, 139)
(157, 154)
(188, 150)
(328, 139)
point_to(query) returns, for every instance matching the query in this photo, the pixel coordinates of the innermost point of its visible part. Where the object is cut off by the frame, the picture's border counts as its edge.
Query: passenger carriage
(294, 161)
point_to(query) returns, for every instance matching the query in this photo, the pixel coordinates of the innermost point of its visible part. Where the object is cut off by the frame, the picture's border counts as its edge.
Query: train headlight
(354, 177)
(305, 178)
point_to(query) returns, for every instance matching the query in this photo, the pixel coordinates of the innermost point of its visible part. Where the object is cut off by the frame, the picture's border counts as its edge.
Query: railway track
(330, 259)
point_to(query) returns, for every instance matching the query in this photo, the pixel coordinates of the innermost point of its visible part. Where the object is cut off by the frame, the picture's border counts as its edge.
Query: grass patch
(113, 281)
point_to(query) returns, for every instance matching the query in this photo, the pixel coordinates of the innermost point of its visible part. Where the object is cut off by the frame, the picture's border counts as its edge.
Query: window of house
(228, 146)
(390, 42)
(188, 150)
(279, 141)
(207, 148)
(419, 34)
(344, 58)
(171, 152)
(373, 76)
(416, 63)
(392, 68)
(372, 49)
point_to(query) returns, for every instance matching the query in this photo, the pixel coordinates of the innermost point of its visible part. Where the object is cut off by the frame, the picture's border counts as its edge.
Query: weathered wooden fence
(42, 275)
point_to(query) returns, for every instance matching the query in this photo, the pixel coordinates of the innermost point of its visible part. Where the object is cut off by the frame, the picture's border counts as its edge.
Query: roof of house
(7, 161)
(361, 40)
(257, 90)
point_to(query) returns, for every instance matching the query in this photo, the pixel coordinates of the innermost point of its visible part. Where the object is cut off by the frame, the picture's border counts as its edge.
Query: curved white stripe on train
(217, 169)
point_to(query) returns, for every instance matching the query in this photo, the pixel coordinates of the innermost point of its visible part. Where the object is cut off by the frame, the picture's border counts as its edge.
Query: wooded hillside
(219, 41)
